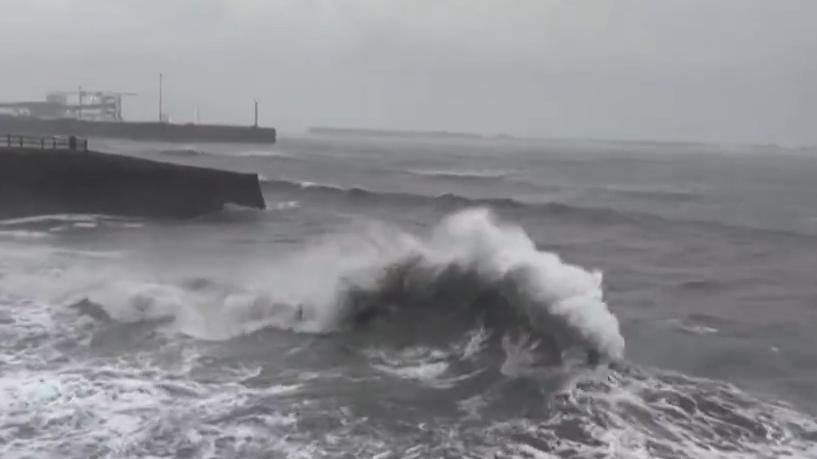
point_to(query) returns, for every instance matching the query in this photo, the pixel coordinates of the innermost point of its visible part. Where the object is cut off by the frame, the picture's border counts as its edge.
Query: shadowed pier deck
(38, 181)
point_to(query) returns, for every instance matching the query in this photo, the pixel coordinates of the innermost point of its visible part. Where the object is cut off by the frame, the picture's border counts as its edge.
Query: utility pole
(79, 102)
(161, 116)
(255, 122)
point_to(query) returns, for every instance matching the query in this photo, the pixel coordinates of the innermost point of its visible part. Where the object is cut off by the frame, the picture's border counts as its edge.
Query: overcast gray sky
(716, 70)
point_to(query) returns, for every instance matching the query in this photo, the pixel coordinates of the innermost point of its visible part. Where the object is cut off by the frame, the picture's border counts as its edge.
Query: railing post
(8, 140)
(21, 141)
(54, 143)
(42, 143)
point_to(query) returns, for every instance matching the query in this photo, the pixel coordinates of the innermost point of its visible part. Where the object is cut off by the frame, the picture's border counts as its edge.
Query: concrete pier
(35, 181)
(145, 131)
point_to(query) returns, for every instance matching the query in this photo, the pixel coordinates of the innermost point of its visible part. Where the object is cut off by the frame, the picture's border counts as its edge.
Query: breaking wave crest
(192, 151)
(328, 193)
(465, 175)
(469, 269)
(186, 151)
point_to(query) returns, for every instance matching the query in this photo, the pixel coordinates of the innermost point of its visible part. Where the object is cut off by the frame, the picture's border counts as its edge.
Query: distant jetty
(43, 178)
(351, 132)
(146, 131)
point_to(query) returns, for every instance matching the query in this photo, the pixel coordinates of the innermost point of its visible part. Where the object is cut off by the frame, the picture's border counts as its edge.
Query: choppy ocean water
(427, 299)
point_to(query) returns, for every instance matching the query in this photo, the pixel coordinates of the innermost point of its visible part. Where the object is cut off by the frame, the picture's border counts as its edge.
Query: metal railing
(44, 143)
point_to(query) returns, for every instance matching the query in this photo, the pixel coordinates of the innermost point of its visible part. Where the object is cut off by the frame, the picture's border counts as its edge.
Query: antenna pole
(161, 117)
(79, 102)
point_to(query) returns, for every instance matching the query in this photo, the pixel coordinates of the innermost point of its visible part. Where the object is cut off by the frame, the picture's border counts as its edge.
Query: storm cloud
(723, 71)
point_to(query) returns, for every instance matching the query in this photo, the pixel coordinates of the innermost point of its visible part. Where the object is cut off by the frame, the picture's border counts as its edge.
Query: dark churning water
(425, 299)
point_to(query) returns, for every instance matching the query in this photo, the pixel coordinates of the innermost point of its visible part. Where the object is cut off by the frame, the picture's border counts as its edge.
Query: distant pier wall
(37, 181)
(148, 131)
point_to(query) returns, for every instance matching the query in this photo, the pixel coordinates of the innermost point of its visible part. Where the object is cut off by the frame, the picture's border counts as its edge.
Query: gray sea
(427, 299)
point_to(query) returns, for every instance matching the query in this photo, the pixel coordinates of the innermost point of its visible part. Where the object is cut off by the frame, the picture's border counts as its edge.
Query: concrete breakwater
(36, 181)
(139, 131)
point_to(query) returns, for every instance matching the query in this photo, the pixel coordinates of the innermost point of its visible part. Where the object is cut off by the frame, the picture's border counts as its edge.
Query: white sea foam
(24, 234)
(51, 217)
(286, 205)
(125, 407)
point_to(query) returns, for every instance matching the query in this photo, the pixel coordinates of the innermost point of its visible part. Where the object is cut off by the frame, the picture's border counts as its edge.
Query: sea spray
(474, 238)
(328, 285)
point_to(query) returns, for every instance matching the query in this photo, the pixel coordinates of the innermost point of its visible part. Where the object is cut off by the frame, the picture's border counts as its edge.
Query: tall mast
(79, 102)
(161, 117)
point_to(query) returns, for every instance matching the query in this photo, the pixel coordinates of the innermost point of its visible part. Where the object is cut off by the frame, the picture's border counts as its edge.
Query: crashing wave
(470, 267)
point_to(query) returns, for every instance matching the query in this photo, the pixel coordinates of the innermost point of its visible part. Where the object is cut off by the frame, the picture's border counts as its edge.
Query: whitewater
(426, 299)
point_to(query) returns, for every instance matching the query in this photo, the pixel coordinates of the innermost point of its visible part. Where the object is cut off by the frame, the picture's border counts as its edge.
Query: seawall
(38, 182)
(138, 131)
